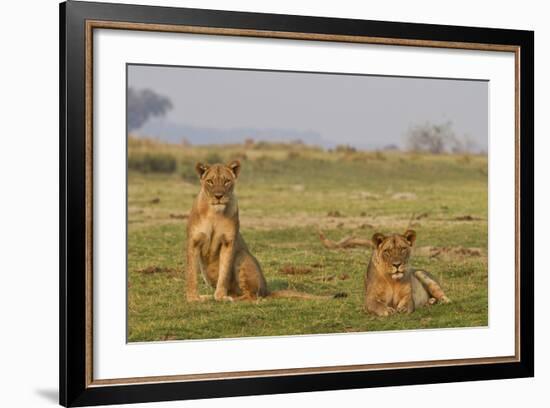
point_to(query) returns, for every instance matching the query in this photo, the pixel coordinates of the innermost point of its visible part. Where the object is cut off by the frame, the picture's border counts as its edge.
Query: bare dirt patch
(154, 269)
(325, 278)
(366, 195)
(330, 278)
(257, 221)
(449, 252)
(466, 218)
(295, 270)
(297, 188)
(404, 196)
(179, 216)
(323, 222)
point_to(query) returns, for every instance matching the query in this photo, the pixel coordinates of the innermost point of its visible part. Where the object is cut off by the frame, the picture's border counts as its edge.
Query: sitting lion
(390, 285)
(215, 246)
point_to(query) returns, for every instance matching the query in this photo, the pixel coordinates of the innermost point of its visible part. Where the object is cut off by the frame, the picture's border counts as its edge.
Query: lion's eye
(403, 250)
(227, 182)
(210, 182)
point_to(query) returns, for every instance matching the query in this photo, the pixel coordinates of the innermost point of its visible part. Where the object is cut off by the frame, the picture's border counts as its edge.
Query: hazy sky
(359, 110)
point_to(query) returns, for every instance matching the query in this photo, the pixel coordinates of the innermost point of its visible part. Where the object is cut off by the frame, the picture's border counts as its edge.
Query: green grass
(284, 199)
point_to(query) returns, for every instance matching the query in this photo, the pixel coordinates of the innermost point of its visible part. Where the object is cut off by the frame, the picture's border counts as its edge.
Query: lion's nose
(397, 264)
(218, 195)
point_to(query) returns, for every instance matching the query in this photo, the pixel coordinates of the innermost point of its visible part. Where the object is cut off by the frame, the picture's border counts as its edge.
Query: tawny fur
(391, 285)
(215, 247)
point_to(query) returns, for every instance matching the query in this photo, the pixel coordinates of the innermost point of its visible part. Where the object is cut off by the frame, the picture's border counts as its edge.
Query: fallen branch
(348, 242)
(448, 252)
(295, 270)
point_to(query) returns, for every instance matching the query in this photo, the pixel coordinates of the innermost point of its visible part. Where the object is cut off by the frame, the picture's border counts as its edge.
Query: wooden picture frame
(78, 20)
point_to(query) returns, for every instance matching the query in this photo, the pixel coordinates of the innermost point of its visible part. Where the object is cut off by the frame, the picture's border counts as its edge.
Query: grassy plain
(287, 193)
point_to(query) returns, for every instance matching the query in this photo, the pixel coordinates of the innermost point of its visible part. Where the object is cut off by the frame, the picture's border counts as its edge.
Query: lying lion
(215, 246)
(390, 285)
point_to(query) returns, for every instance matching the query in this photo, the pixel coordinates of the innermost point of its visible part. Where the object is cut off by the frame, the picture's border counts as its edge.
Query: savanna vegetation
(288, 194)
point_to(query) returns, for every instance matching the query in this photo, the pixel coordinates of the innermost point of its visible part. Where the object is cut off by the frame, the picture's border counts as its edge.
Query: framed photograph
(257, 203)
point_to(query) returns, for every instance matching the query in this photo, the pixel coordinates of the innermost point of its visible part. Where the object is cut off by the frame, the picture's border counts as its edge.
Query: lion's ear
(410, 235)
(201, 168)
(235, 167)
(377, 239)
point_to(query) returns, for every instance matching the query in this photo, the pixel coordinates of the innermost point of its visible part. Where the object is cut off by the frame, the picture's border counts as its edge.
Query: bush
(213, 158)
(152, 163)
(345, 149)
(379, 156)
(188, 172)
(293, 155)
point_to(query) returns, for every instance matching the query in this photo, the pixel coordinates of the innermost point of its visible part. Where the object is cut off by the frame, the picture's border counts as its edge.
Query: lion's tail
(432, 286)
(293, 294)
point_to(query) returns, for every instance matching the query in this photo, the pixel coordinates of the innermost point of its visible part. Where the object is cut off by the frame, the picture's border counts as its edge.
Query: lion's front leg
(406, 304)
(193, 266)
(226, 269)
(379, 308)
(377, 303)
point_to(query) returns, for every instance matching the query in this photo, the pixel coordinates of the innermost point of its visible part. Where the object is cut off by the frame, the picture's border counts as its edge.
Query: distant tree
(142, 104)
(437, 139)
(464, 145)
(430, 138)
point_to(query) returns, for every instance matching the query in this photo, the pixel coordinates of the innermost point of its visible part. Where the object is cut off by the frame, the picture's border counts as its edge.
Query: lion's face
(392, 252)
(218, 181)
